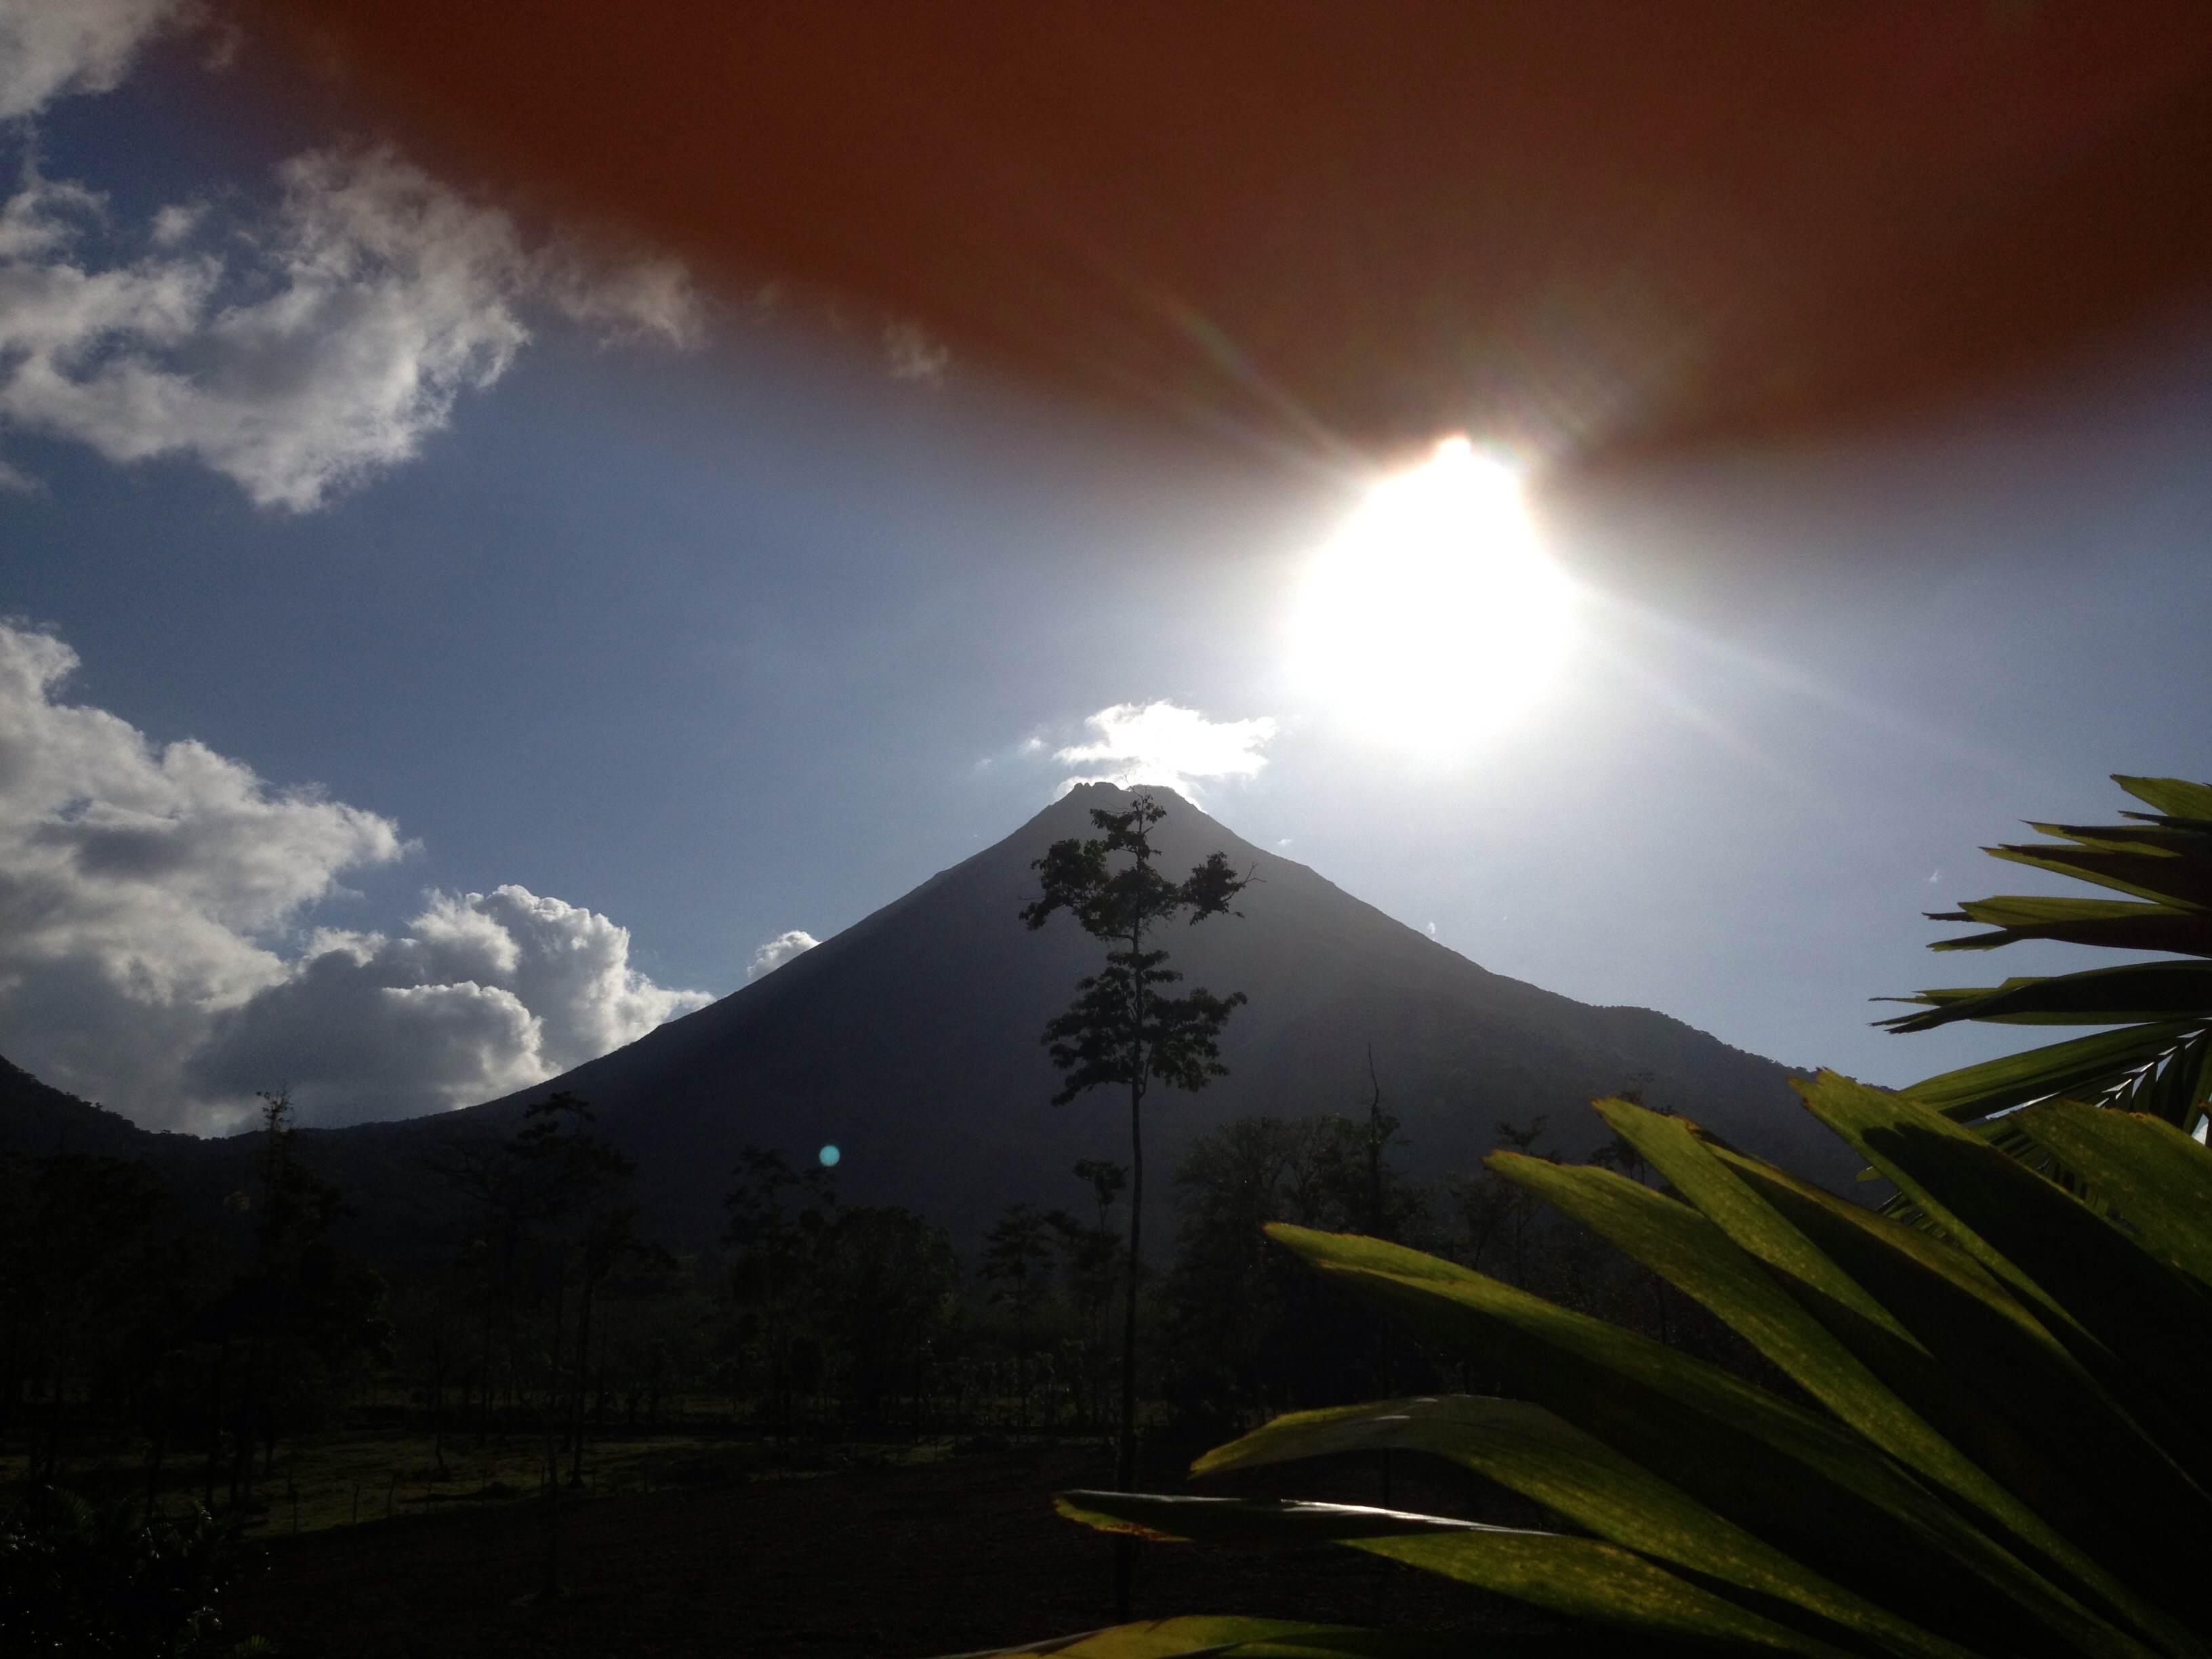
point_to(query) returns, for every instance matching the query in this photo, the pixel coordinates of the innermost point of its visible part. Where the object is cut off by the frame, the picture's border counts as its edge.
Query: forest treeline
(196, 1349)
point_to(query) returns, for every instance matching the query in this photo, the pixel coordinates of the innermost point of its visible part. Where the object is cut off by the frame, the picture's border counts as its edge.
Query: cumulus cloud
(483, 995)
(778, 951)
(148, 896)
(303, 351)
(1163, 743)
(139, 883)
(51, 48)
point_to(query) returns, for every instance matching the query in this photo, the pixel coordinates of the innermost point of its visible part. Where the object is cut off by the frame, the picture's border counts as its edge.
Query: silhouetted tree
(576, 1177)
(887, 1280)
(1016, 1251)
(774, 1221)
(539, 1196)
(91, 1278)
(1521, 1207)
(1090, 1259)
(1124, 1030)
(1250, 1329)
(1619, 1152)
(1381, 1124)
(608, 1238)
(303, 1309)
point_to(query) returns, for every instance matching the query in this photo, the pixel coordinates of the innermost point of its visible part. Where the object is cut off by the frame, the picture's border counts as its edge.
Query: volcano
(911, 1043)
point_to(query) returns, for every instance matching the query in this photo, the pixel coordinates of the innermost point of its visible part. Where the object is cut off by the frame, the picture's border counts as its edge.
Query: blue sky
(713, 620)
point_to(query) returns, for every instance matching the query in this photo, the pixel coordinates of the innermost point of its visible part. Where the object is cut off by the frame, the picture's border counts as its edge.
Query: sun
(1434, 615)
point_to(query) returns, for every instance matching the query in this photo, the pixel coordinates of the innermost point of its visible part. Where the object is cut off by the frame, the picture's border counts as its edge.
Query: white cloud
(1163, 743)
(646, 298)
(302, 353)
(139, 885)
(175, 223)
(51, 48)
(146, 895)
(483, 995)
(782, 949)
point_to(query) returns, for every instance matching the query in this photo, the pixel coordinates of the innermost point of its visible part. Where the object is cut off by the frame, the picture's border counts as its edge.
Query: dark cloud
(1609, 228)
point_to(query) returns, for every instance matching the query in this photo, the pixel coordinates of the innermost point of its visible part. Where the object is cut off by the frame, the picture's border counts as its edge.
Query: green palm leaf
(1582, 1576)
(1996, 1450)
(2159, 1061)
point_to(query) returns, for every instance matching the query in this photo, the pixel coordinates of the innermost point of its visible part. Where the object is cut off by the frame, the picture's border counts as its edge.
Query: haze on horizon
(444, 645)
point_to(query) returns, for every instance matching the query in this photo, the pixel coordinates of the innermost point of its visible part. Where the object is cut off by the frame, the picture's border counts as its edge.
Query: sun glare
(1433, 615)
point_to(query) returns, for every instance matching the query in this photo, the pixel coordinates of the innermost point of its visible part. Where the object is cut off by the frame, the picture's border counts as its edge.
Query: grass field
(349, 1477)
(869, 1561)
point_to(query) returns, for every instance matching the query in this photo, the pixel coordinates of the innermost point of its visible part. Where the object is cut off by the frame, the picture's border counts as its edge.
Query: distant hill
(37, 1120)
(376, 1166)
(910, 1041)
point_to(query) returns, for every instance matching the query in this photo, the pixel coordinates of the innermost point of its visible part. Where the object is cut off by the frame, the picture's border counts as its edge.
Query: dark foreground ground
(935, 1559)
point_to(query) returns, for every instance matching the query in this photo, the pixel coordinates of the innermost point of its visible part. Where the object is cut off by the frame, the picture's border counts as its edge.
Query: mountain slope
(911, 1041)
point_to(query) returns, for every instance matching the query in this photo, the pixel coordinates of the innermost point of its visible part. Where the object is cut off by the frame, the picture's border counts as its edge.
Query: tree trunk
(1125, 1468)
(583, 1363)
(11, 1352)
(1374, 1149)
(1125, 1471)
(214, 1424)
(241, 1449)
(154, 1465)
(437, 1401)
(48, 1466)
(549, 1588)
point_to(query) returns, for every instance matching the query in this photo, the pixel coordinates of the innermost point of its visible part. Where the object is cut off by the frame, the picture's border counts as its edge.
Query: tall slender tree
(1126, 1029)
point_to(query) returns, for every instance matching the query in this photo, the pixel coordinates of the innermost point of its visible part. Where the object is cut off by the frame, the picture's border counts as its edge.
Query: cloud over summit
(1163, 743)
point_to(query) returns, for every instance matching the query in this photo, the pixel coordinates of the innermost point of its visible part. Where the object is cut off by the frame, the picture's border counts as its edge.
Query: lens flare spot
(829, 1155)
